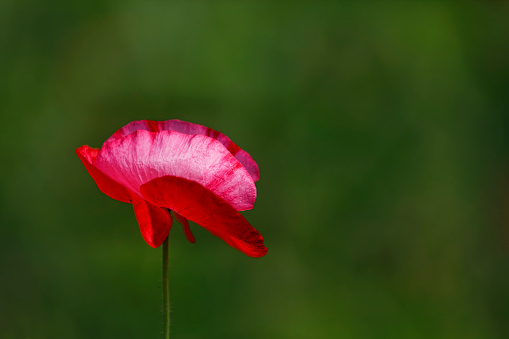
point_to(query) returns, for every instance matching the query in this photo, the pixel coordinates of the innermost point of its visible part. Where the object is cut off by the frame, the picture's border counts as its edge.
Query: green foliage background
(381, 134)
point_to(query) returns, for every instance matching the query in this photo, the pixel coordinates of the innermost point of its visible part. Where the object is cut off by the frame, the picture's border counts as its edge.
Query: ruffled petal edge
(190, 128)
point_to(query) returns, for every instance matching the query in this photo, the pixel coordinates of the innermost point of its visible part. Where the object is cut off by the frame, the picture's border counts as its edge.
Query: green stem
(166, 292)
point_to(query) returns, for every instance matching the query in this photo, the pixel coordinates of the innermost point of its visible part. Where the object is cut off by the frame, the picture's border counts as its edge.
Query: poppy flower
(193, 171)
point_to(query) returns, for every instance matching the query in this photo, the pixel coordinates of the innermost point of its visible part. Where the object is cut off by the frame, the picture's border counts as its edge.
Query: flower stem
(166, 292)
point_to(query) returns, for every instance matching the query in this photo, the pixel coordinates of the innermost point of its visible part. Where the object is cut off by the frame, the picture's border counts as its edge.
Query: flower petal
(107, 185)
(142, 156)
(189, 128)
(185, 226)
(155, 222)
(198, 204)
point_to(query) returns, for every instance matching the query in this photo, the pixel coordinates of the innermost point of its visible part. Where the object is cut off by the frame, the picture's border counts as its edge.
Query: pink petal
(198, 204)
(142, 156)
(189, 128)
(155, 222)
(107, 185)
(185, 226)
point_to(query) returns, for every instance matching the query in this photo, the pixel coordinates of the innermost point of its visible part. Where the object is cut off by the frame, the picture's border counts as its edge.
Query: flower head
(192, 170)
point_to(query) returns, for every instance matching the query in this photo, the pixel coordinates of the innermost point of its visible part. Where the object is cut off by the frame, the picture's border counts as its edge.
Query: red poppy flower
(192, 170)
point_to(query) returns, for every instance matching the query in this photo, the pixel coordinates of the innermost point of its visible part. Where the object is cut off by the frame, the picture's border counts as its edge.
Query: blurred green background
(381, 134)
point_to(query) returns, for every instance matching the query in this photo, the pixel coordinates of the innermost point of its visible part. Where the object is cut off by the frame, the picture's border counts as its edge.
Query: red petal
(189, 128)
(200, 205)
(107, 185)
(185, 225)
(247, 161)
(142, 156)
(155, 222)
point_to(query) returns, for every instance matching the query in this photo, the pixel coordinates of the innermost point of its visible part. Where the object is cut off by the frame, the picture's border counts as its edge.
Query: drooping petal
(142, 156)
(107, 185)
(189, 128)
(198, 204)
(185, 226)
(155, 222)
